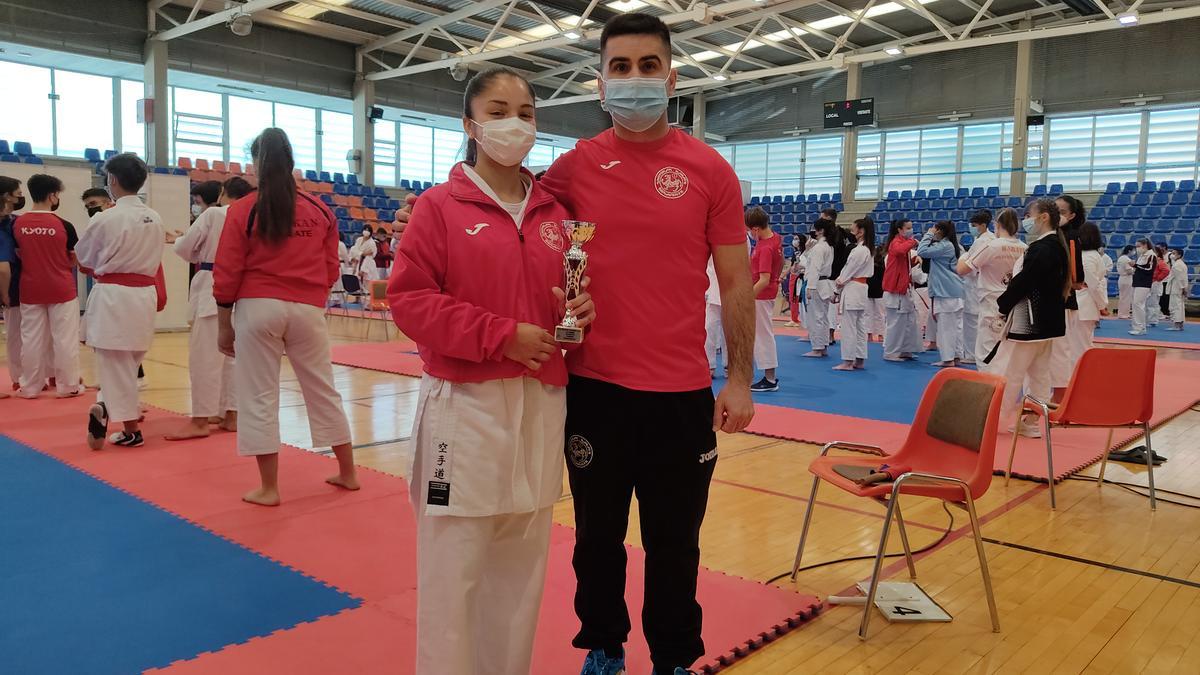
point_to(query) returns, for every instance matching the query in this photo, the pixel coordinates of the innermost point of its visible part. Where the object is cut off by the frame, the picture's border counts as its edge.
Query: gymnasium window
(300, 124)
(84, 112)
(1070, 145)
(1171, 144)
(983, 157)
(785, 166)
(939, 158)
(822, 165)
(416, 153)
(750, 164)
(901, 160)
(867, 165)
(247, 118)
(540, 156)
(448, 147)
(27, 113)
(337, 139)
(385, 153)
(197, 128)
(1116, 142)
(133, 133)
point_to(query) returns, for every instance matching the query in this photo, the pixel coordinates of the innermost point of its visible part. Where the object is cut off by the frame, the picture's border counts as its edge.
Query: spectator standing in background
(1125, 282)
(11, 199)
(766, 266)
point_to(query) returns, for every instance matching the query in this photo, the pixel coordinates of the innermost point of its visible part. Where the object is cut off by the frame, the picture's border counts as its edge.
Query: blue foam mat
(94, 580)
(886, 391)
(1118, 329)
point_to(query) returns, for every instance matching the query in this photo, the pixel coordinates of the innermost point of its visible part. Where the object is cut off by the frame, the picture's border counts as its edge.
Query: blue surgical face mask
(1027, 225)
(635, 103)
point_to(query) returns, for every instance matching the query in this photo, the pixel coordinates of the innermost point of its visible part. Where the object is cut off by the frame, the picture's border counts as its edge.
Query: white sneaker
(141, 383)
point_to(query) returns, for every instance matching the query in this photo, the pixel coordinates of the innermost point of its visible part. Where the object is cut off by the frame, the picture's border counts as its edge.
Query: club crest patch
(552, 235)
(671, 182)
(579, 451)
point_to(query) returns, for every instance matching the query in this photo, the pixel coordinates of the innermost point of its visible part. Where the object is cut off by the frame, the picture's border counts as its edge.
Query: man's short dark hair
(635, 23)
(830, 213)
(209, 191)
(128, 169)
(1090, 238)
(94, 192)
(237, 187)
(41, 186)
(981, 217)
(9, 185)
(757, 218)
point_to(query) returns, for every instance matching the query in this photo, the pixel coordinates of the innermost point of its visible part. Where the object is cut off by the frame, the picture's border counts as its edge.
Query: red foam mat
(363, 543)
(1074, 449)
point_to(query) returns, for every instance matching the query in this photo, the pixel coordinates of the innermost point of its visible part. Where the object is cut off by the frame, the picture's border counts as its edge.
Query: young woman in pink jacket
(475, 284)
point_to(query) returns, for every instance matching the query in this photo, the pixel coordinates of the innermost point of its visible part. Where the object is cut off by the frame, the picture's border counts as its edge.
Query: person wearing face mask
(1033, 305)
(122, 249)
(982, 234)
(96, 200)
(991, 263)
(796, 280)
(1072, 215)
(1161, 307)
(362, 256)
(383, 253)
(901, 336)
(1145, 263)
(11, 199)
(210, 372)
(852, 286)
(205, 195)
(940, 247)
(766, 265)
(819, 287)
(1177, 288)
(476, 286)
(643, 182)
(1125, 282)
(49, 304)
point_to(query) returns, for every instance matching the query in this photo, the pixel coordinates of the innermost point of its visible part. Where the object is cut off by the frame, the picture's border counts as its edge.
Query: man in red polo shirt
(766, 264)
(49, 301)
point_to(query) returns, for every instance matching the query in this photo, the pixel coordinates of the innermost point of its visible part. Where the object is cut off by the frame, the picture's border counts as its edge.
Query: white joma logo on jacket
(477, 229)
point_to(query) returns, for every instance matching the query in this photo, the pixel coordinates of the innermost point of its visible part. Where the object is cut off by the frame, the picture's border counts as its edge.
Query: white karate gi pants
(875, 316)
(1178, 315)
(116, 370)
(50, 347)
(265, 330)
(12, 339)
(989, 332)
(901, 334)
(1125, 296)
(1140, 310)
(765, 354)
(970, 337)
(854, 334)
(949, 326)
(818, 320)
(1026, 370)
(211, 371)
(1153, 309)
(714, 336)
(1067, 351)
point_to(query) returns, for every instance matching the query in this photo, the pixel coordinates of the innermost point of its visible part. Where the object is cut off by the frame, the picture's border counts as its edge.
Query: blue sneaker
(598, 663)
(679, 671)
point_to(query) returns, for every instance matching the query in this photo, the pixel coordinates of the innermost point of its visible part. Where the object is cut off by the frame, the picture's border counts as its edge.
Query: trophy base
(568, 334)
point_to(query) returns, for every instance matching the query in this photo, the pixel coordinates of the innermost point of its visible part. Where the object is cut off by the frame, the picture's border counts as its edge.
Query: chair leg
(812, 504)
(912, 568)
(983, 566)
(877, 570)
(1150, 466)
(1104, 457)
(1012, 451)
(1049, 459)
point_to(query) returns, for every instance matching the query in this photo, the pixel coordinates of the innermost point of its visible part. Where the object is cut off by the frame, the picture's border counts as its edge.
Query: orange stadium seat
(185, 162)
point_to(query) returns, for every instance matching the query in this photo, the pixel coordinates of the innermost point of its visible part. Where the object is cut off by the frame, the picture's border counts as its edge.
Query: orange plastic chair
(340, 200)
(324, 188)
(950, 449)
(219, 167)
(371, 214)
(184, 163)
(202, 164)
(250, 170)
(1092, 400)
(298, 174)
(355, 200)
(356, 212)
(235, 168)
(308, 186)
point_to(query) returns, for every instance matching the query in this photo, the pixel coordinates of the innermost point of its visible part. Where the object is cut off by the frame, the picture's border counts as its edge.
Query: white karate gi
(859, 265)
(50, 348)
(972, 297)
(820, 292)
(210, 371)
(125, 239)
(363, 254)
(1124, 286)
(714, 331)
(1092, 300)
(12, 340)
(993, 264)
(1177, 287)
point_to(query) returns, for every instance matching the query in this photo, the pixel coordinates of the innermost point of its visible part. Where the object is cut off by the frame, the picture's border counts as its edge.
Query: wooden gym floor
(1102, 585)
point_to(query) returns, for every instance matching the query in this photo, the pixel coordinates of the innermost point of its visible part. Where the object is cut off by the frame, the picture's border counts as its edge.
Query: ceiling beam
(215, 18)
(438, 20)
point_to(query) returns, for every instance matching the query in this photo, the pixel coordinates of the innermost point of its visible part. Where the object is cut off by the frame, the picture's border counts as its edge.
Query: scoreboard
(856, 113)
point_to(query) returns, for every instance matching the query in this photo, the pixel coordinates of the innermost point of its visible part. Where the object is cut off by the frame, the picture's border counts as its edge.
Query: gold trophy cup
(575, 264)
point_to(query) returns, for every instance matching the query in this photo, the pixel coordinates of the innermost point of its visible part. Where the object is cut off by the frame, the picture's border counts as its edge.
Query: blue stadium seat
(1141, 199)
(328, 199)
(1184, 226)
(4, 149)
(940, 215)
(1149, 186)
(920, 194)
(342, 213)
(176, 171)
(379, 192)
(966, 240)
(934, 194)
(962, 193)
(1126, 227)
(1106, 199)
(1179, 198)
(341, 189)
(157, 169)
(1039, 190)
(1129, 188)
(923, 205)
(993, 192)
(977, 192)
(1124, 199)
(1112, 188)
(908, 205)
(1178, 241)
(23, 149)
(324, 177)
(906, 194)
(837, 196)
(1160, 198)
(1163, 226)
(1055, 189)
(1186, 186)
(1152, 212)
(958, 215)
(33, 159)
(1166, 186)
(925, 215)
(1098, 213)
(92, 155)
(311, 175)
(9, 157)
(753, 200)
(1172, 212)
(892, 195)
(1135, 211)
(404, 183)
(776, 199)
(352, 179)
(109, 154)
(1117, 240)
(339, 178)
(825, 198)
(1015, 202)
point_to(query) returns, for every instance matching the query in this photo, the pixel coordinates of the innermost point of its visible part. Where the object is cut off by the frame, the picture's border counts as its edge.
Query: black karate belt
(206, 266)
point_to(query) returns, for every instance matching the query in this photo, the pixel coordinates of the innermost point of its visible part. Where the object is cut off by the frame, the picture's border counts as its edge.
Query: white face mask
(506, 141)
(635, 103)
(196, 210)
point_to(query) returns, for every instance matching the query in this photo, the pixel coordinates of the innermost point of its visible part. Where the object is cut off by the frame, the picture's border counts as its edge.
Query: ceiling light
(894, 51)
(720, 77)
(304, 11)
(572, 35)
(241, 25)
(1128, 19)
(626, 5)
